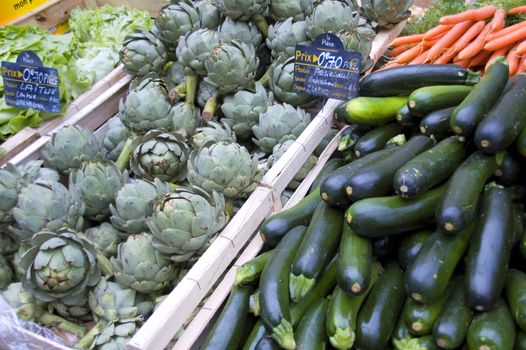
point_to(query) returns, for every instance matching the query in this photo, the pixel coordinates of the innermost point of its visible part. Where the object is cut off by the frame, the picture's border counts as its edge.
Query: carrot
(482, 13)
(513, 60)
(476, 45)
(409, 54)
(419, 59)
(480, 58)
(446, 57)
(408, 39)
(469, 35)
(433, 33)
(506, 31)
(390, 65)
(517, 10)
(428, 43)
(447, 40)
(464, 63)
(522, 65)
(398, 50)
(502, 52)
(506, 40)
(521, 50)
(499, 20)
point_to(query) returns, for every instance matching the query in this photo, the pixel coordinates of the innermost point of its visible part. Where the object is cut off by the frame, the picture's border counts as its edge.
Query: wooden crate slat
(152, 6)
(51, 14)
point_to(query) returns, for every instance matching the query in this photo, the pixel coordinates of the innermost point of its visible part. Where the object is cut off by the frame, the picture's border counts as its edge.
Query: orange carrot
(502, 52)
(503, 41)
(409, 54)
(505, 31)
(522, 65)
(476, 45)
(499, 20)
(524, 62)
(446, 57)
(464, 63)
(480, 58)
(513, 60)
(428, 43)
(517, 10)
(408, 39)
(447, 40)
(521, 50)
(390, 65)
(398, 50)
(469, 35)
(433, 33)
(419, 59)
(482, 13)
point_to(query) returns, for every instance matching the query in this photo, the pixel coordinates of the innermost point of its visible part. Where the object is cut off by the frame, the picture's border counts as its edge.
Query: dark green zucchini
(493, 329)
(429, 168)
(251, 270)
(377, 179)
(437, 123)
(520, 340)
(267, 343)
(376, 139)
(385, 248)
(318, 247)
(405, 118)
(381, 216)
(401, 330)
(468, 114)
(253, 303)
(406, 79)
(518, 222)
(490, 249)
(350, 135)
(274, 287)
(371, 111)
(426, 278)
(433, 98)
(328, 168)
(228, 329)
(379, 313)
(258, 332)
(410, 246)
(504, 122)
(516, 296)
(460, 203)
(509, 170)
(420, 318)
(355, 261)
(310, 334)
(521, 143)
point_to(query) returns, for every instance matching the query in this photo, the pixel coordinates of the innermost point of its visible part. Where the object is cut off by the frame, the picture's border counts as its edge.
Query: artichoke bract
(213, 132)
(141, 267)
(205, 92)
(284, 36)
(134, 203)
(231, 67)
(59, 265)
(281, 122)
(73, 308)
(279, 150)
(105, 237)
(24, 303)
(194, 48)
(242, 110)
(281, 74)
(241, 32)
(115, 336)
(143, 53)
(209, 14)
(174, 75)
(184, 221)
(185, 119)
(6, 274)
(224, 167)
(386, 13)
(176, 20)
(297, 10)
(33, 171)
(246, 10)
(330, 16)
(70, 146)
(98, 183)
(115, 138)
(8, 246)
(360, 39)
(160, 155)
(9, 178)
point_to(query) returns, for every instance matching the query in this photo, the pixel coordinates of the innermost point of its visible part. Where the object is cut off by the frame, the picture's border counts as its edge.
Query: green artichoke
(281, 122)
(241, 32)
(115, 138)
(284, 36)
(194, 48)
(105, 237)
(160, 155)
(59, 265)
(176, 20)
(360, 39)
(330, 16)
(26, 306)
(285, 197)
(243, 10)
(205, 92)
(143, 53)
(184, 221)
(224, 167)
(209, 14)
(98, 182)
(16, 261)
(213, 132)
(174, 75)
(386, 13)
(47, 206)
(279, 150)
(6, 273)
(8, 246)
(114, 336)
(33, 171)
(185, 119)
(242, 110)
(281, 83)
(72, 308)
(9, 180)
(134, 203)
(141, 267)
(70, 146)
(231, 67)
(297, 10)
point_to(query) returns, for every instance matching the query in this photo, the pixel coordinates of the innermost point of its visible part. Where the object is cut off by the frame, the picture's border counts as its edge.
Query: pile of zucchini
(416, 243)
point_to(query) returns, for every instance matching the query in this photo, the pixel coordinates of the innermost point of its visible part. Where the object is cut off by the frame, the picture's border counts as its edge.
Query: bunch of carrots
(471, 39)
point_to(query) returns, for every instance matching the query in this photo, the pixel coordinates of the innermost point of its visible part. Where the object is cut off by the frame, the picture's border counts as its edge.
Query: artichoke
(174, 75)
(243, 10)
(213, 132)
(9, 180)
(115, 138)
(224, 167)
(205, 92)
(8, 246)
(360, 39)
(184, 221)
(141, 267)
(33, 171)
(70, 146)
(73, 308)
(24, 303)
(16, 261)
(6, 273)
(284, 36)
(59, 265)
(194, 48)
(134, 203)
(281, 83)
(176, 20)
(279, 150)
(98, 183)
(160, 155)
(297, 10)
(281, 122)
(231, 67)
(104, 237)
(386, 13)
(285, 197)
(330, 16)
(209, 14)
(143, 53)
(241, 32)
(185, 119)
(114, 336)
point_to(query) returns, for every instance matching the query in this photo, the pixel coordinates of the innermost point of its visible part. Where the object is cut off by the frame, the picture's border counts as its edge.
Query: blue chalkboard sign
(326, 69)
(27, 84)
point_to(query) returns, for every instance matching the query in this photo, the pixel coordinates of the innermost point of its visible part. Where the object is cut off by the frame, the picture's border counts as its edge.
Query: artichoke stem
(229, 207)
(265, 79)
(261, 23)
(104, 263)
(50, 320)
(86, 341)
(124, 157)
(178, 92)
(191, 89)
(210, 109)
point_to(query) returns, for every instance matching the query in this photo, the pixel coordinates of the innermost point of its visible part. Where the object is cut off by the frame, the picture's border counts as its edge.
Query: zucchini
(468, 114)
(376, 139)
(401, 330)
(377, 179)
(385, 248)
(228, 329)
(437, 123)
(333, 187)
(381, 216)
(267, 343)
(490, 249)
(328, 168)
(509, 170)
(253, 303)
(371, 111)
(251, 270)
(350, 135)
(422, 343)
(429, 168)
(317, 248)
(420, 318)
(406, 79)
(493, 329)
(343, 312)
(405, 118)
(379, 313)
(410, 246)
(258, 332)
(518, 222)
(354, 263)
(426, 278)
(516, 296)
(274, 287)
(504, 122)
(310, 334)
(459, 205)
(521, 143)
(520, 340)
(432, 98)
